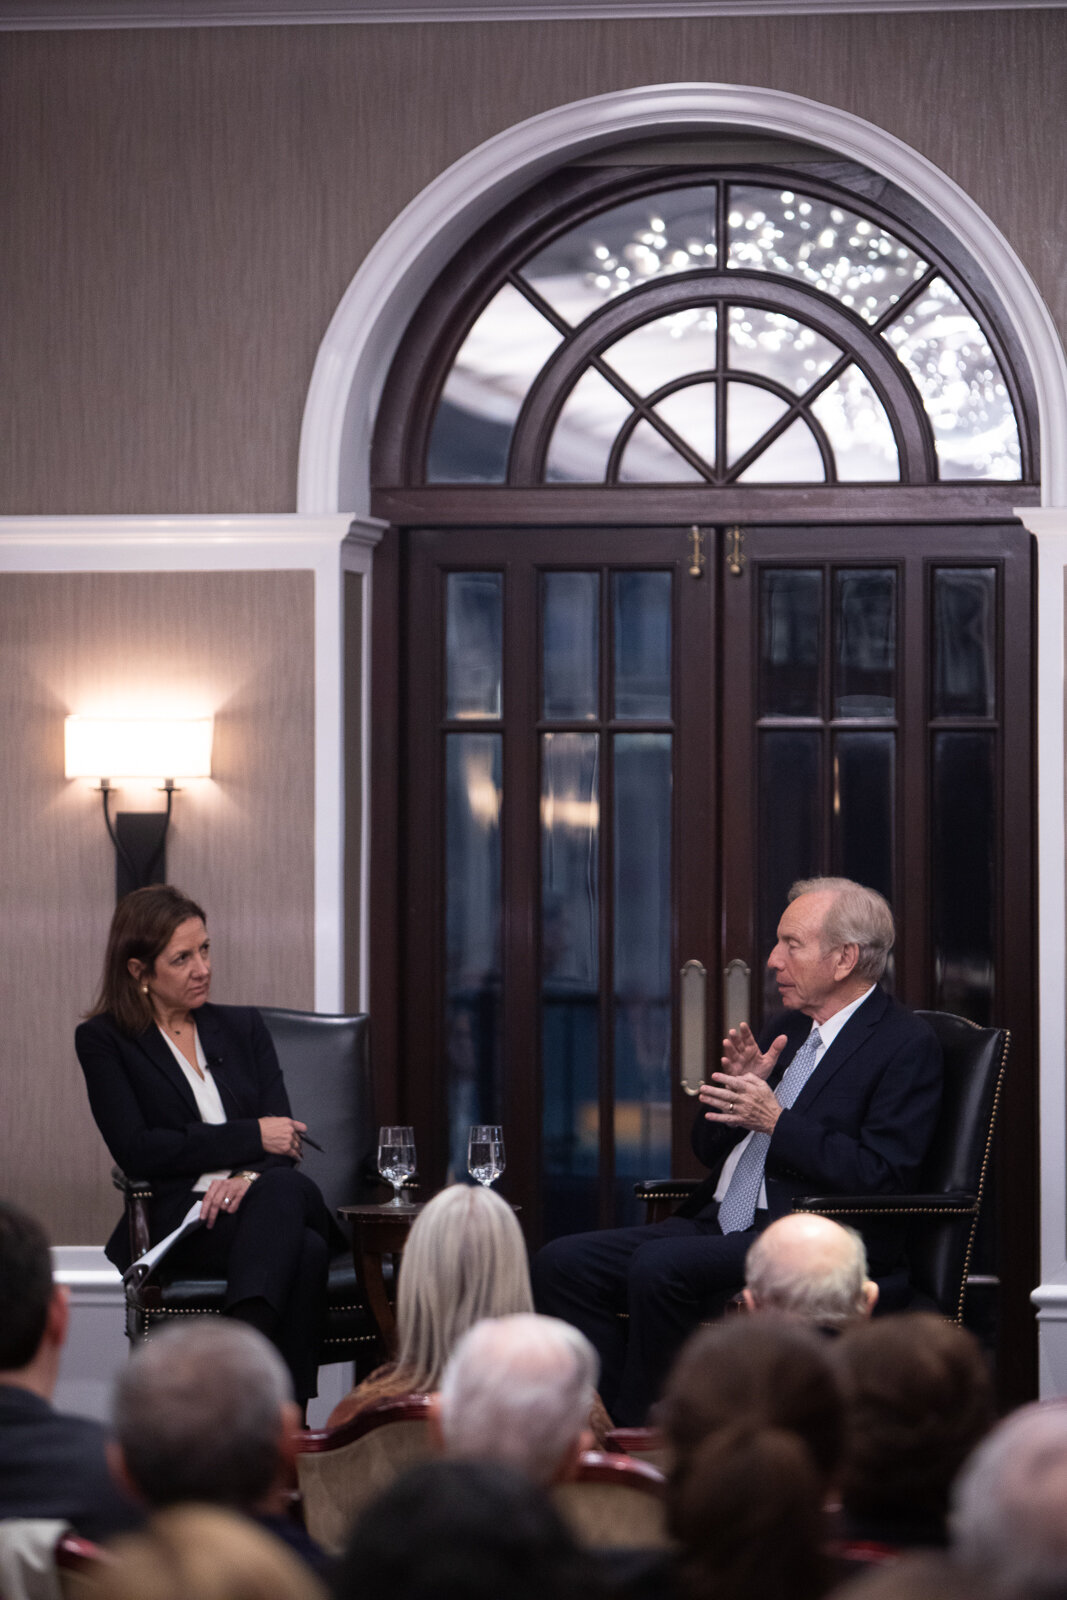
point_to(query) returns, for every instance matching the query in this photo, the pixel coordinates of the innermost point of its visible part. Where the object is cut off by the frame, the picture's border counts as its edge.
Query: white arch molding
(359, 344)
(354, 358)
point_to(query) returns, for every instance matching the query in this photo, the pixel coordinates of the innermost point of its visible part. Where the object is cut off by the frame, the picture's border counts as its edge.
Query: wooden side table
(379, 1231)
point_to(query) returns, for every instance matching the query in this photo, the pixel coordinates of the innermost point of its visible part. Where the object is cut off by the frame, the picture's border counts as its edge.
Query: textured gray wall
(180, 211)
(236, 642)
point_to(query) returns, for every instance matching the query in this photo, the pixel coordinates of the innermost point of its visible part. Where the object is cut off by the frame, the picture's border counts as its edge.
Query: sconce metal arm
(140, 875)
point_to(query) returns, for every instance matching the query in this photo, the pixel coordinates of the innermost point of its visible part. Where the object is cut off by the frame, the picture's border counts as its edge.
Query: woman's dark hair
(462, 1530)
(141, 929)
(918, 1398)
(753, 1416)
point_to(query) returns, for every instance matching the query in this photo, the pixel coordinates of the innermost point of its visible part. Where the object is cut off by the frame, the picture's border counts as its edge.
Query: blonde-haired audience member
(465, 1260)
(195, 1552)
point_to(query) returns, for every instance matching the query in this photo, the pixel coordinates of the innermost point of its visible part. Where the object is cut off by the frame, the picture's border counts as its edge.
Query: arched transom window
(726, 332)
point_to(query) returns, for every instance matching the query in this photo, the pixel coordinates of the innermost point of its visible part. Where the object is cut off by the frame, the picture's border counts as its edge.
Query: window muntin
(886, 291)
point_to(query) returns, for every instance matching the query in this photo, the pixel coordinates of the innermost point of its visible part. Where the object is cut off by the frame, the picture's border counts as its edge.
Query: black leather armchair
(941, 1215)
(326, 1064)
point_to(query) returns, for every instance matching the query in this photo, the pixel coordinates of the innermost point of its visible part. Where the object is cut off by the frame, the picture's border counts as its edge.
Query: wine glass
(485, 1153)
(396, 1158)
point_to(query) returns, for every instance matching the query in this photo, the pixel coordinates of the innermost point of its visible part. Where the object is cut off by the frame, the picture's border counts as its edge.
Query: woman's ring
(226, 1200)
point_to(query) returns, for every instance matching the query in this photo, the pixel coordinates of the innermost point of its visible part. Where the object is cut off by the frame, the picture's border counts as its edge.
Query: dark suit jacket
(861, 1124)
(52, 1465)
(148, 1116)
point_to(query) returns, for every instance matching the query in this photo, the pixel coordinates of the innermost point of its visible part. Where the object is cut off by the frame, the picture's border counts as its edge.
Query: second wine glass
(485, 1153)
(396, 1158)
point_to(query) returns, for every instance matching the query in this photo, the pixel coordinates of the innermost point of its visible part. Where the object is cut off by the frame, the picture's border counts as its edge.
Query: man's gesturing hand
(740, 1101)
(741, 1054)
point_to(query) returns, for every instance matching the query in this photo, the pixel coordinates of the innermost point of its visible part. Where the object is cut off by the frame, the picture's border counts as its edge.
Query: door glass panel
(778, 347)
(583, 436)
(962, 386)
(794, 457)
(670, 347)
(856, 423)
(865, 627)
(473, 644)
(571, 645)
(790, 806)
(619, 250)
(826, 246)
(642, 961)
(648, 458)
(963, 868)
(473, 777)
(497, 362)
(642, 605)
(965, 620)
(570, 976)
(863, 814)
(790, 641)
(750, 411)
(691, 413)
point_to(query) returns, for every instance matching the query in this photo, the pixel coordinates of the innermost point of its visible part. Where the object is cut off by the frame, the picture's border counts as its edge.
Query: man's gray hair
(829, 1290)
(519, 1390)
(198, 1413)
(857, 916)
(1009, 1505)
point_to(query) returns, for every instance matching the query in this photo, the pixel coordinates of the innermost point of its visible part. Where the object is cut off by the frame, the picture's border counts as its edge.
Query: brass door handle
(694, 983)
(736, 993)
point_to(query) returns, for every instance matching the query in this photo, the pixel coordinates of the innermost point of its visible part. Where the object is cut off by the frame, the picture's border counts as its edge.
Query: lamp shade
(138, 747)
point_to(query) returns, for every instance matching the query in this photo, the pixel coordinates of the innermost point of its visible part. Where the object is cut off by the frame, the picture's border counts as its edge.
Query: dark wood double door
(618, 747)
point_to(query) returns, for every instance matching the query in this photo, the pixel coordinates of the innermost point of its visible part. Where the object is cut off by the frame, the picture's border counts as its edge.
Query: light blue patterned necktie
(737, 1208)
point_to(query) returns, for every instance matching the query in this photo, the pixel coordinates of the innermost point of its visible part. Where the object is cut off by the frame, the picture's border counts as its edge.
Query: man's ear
(748, 1300)
(116, 1464)
(845, 965)
(869, 1297)
(57, 1322)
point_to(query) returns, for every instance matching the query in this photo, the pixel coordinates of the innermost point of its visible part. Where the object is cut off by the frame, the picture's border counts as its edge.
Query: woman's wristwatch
(250, 1177)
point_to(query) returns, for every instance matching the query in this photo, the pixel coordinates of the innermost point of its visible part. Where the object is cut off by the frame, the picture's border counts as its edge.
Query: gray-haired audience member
(1009, 1505)
(518, 1390)
(812, 1268)
(204, 1412)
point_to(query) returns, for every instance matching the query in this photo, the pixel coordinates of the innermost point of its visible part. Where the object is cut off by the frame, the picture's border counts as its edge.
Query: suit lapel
(851, 1038)
(160, 1054)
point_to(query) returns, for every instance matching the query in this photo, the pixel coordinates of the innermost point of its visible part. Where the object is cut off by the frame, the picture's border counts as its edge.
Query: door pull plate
(694, 1002)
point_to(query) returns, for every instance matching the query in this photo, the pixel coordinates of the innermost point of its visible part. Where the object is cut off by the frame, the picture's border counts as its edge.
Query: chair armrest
(666, 1188)
(955, 1204)
(137, 1192)
(661, 1195)
(131, 1186)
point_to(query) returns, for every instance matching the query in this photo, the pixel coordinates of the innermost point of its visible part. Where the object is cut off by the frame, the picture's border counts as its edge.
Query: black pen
(305, 1138)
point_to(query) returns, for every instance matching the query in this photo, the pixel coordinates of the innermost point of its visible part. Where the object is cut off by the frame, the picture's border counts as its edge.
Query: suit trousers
(273, 1248)
(664, 1275)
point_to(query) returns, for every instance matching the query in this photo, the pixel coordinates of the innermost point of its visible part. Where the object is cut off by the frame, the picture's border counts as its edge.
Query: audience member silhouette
(463, 1530)
(918, 1398)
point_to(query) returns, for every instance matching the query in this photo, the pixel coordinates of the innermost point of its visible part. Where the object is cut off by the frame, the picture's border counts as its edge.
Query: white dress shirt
(207, 1097)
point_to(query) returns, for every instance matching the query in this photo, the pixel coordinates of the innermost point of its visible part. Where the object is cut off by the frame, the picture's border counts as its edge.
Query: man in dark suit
(839, 1095)
(51, 1465)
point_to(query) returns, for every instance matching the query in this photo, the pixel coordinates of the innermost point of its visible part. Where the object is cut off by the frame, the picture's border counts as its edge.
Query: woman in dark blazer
(190, 1096)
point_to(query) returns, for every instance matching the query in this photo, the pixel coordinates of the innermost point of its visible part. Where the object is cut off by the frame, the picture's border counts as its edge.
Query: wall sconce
(110, 748)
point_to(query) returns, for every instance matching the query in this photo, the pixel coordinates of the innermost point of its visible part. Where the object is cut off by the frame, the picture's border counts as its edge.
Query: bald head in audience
(519, 1390)
(1009, 1506)
(809, 1267)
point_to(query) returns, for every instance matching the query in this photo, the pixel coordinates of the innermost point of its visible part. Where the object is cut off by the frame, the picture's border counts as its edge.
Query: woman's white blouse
(208, 1100)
